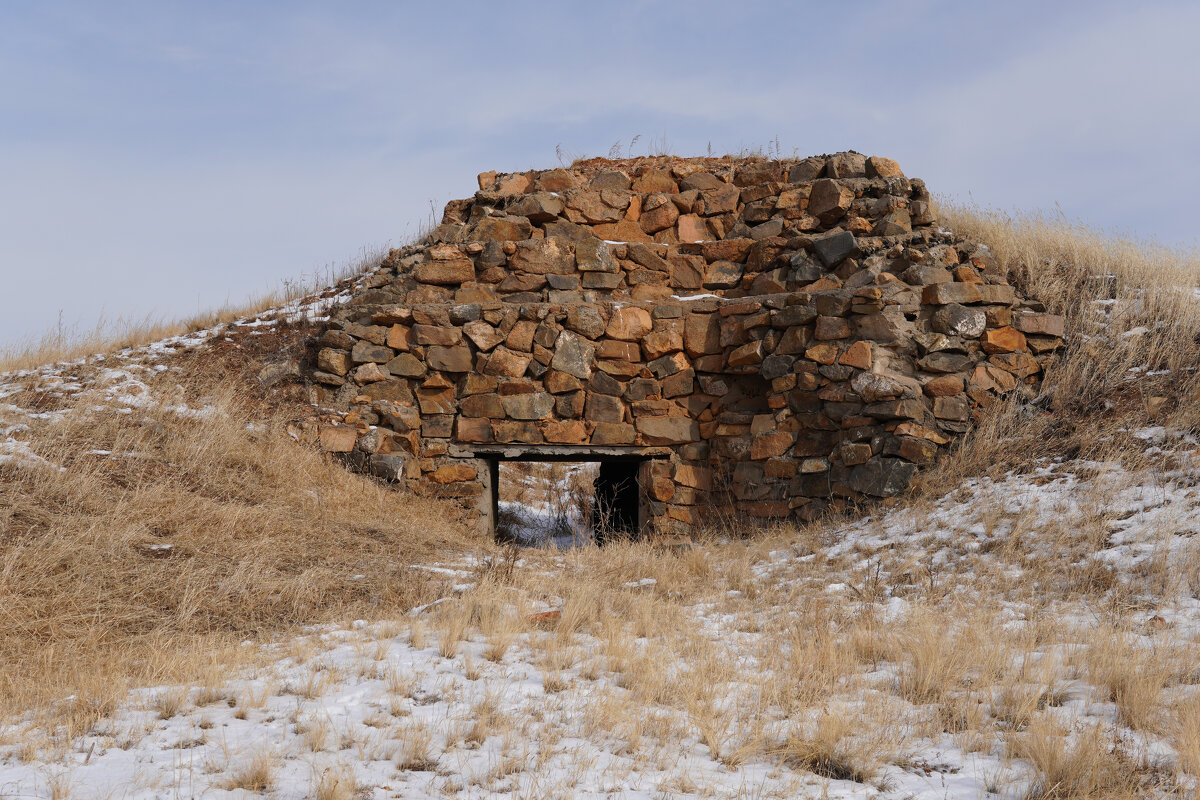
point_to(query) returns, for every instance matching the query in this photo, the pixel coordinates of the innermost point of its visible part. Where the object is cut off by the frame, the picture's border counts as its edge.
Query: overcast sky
(162, 158)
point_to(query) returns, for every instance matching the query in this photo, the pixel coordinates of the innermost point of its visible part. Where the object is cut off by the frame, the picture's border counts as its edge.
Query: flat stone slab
(555, 452)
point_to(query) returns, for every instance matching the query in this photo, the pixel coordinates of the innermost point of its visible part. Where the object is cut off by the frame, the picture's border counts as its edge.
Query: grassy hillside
(155, 513)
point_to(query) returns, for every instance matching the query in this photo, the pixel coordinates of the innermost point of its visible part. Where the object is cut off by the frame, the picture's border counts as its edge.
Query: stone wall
(783, 336)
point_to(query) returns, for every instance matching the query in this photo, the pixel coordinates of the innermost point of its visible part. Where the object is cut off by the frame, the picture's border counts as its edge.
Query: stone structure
(779, 336)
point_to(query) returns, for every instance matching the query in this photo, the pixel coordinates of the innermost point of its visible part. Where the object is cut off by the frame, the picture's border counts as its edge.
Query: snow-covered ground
(713, 672)
(546, 504)
(941, 649)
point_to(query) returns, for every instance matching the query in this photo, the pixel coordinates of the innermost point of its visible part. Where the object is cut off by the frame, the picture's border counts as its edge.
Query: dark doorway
(564, 497)
(617, 499)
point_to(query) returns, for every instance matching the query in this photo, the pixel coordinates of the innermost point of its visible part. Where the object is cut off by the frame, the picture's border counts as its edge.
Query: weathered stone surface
(586, 320)
(668, 430)
(944, 386)
(959, 320)
(831, 328)
(436, 334)
(565, 432)
(853, 454)
(536, 405)
(857, 355)
(894, 223)
(482, 405)
(453, 473)
(370, 373)
(629, 323)
(748, 354)
(722, 275)
(770, 445)
(537, 207)
(573, 355)
(668, 365)
(991, 378)
(829, 200)
(1040, 324)
(594, 255)
(398, 338)
(365, 351)
(337, 362)
(473, 431)
(604, 408)
(920, 432)
(661, 343)
(879, 167)
(920, 275)
(1021, 365)
(338, 439)
(873, 387)
(614, 433)
(943, 293)
(542, 256)
(835, 248)
(952, 408)
(506, 363)
(701, 334)
(846, 165)
(896, 409)
(692, 228)
(501, 229)
(1003, 340)
(482, 335)
(450, 359)
(882, 477)
(658, 216)
(1000, 295)
(459, 270)
(944, 362)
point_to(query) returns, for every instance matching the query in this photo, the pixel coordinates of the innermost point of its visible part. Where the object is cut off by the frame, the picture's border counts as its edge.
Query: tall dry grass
(1132, 312)
(157, 537)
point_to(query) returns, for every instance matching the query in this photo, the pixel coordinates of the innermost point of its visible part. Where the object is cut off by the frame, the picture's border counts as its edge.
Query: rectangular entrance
(564, 496)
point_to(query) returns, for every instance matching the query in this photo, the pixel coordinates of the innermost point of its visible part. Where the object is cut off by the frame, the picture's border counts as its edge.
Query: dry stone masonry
(779, 337)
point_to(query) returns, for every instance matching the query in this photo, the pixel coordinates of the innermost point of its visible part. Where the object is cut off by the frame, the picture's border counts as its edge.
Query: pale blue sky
(162, 158)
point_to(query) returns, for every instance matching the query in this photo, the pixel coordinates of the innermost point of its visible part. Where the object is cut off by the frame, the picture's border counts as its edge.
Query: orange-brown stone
(629, 323)
(1003, 340)
(944, 386)
(857, 355)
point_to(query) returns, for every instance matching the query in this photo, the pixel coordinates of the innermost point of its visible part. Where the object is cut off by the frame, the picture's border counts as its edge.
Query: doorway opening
(569, 500)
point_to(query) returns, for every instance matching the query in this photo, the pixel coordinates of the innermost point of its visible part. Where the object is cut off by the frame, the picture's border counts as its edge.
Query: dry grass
(203, 530)
(415, 748)
(1185, 734)
(265, 535)
(1130, 674)
(335, 783)
(841, 744)
(1076, 765)
(170, 702)
(255, 774)
(1131, 308)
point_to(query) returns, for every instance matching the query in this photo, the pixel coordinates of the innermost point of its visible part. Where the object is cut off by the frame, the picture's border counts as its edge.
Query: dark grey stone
(882, 477)
(835, 248)
(943, 361)
(959, 320)
(776, 366)
(465, 312)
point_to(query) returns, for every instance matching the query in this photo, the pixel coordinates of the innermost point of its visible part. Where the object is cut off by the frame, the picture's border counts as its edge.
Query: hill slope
(1023, 624)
